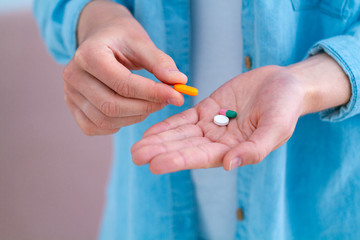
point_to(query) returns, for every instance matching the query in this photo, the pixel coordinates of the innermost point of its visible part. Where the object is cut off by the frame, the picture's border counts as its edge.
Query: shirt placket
(244, 173)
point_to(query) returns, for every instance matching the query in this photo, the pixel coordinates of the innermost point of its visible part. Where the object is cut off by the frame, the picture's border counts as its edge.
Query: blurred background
(52, 177)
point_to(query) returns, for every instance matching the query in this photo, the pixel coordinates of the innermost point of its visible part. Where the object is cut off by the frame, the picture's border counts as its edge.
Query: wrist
(96, 14)
(324, 82)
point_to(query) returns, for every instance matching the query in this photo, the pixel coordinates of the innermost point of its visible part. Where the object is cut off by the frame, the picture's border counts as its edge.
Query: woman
(302, 188)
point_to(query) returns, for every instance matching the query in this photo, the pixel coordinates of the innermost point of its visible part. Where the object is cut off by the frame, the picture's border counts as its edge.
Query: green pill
(228, 113)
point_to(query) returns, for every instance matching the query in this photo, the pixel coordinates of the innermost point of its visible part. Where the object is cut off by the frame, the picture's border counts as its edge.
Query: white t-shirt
(216, 58)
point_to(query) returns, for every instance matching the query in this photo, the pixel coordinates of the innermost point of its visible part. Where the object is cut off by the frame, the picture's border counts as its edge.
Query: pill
(186, 89)
(221, 120)
(228, 113)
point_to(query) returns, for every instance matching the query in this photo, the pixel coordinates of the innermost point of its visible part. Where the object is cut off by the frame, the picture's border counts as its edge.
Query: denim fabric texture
(307, 189)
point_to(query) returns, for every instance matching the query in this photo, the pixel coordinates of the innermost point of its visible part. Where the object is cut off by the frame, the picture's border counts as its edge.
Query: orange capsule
(186, 89)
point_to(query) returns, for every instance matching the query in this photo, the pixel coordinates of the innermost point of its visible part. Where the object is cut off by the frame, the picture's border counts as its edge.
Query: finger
(97, 117)
(107, 101)
(263, 140)
(180, 133)
(202, 156)
(144, 154)
(87, 126)
(157, 62)
(103, 65)
(189, 116)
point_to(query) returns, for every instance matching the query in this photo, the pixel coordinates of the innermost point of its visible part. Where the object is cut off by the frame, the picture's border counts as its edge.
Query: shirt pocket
(341, 9)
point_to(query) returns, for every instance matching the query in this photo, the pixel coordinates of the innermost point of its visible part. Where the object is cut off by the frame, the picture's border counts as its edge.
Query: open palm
(268, 101)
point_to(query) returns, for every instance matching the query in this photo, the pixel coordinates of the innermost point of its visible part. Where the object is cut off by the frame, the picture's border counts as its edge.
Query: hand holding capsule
(100, 90)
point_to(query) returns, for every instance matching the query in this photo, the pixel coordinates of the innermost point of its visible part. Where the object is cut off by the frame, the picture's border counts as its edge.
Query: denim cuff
(344, 50)
(72, 13)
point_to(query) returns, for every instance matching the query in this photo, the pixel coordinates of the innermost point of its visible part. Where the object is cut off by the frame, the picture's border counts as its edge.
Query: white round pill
(221, 120)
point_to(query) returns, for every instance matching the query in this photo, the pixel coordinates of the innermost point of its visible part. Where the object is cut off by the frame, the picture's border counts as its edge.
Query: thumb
(257, 147)
(160, 64)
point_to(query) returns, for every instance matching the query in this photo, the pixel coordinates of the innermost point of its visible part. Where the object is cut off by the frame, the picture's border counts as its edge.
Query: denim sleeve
(345, 49)
(57, 20)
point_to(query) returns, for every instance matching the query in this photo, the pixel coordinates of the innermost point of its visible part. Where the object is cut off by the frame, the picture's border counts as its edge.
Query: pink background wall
(52, 177)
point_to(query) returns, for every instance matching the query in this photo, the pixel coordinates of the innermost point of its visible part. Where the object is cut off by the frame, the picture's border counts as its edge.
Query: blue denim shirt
(307, 189)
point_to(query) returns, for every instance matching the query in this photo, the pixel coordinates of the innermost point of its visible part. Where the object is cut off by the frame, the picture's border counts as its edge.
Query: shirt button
(247, 62)
(240, 214)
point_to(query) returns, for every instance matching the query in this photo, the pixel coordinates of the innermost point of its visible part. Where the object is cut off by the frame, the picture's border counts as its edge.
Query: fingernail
(179, 74)
(174, 70)
(172, 101)
(236, 162)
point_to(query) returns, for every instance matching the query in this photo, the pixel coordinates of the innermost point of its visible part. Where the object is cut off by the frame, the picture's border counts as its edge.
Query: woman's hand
(102, 93)
(268, 100)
